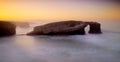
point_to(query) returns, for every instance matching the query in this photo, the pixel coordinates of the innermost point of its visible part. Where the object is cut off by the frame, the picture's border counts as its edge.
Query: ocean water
(103, 47)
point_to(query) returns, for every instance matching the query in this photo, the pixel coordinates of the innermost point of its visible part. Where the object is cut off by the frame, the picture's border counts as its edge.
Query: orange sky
(54, 10)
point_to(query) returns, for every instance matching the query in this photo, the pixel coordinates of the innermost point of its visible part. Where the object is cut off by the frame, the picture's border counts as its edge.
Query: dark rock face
(95, 27)
(7, 28)
(60, 28)
(66, 28)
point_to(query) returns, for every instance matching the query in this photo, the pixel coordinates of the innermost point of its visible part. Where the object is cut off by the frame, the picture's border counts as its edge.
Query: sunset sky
(19, 10)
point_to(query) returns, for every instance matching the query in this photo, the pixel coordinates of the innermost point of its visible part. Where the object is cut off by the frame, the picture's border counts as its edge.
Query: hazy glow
(54, 10)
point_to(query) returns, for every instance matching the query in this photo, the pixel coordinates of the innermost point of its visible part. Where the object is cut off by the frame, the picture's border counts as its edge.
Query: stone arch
(94, 27)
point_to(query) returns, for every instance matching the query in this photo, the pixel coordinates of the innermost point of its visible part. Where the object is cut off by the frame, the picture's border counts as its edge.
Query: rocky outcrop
(7, 28)
(95, 27)
(66, 28)
(60, 28)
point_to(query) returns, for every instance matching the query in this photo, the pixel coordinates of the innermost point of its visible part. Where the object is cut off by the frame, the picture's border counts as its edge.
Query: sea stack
(7, 28)
(95, 27)
(66, 28)
(60, 28)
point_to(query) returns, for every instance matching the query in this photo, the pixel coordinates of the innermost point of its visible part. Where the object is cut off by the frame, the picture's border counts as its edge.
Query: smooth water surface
(76, 48)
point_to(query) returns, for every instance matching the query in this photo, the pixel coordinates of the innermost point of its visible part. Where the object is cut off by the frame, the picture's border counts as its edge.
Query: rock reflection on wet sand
(77, 48)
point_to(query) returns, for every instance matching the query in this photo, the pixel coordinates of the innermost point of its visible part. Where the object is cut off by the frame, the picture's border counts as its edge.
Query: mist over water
(75, 48)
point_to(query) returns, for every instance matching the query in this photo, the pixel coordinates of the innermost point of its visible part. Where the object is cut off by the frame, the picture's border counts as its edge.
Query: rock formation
(60, 28)
(7, 28)
(66, 28)
(95, 27)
